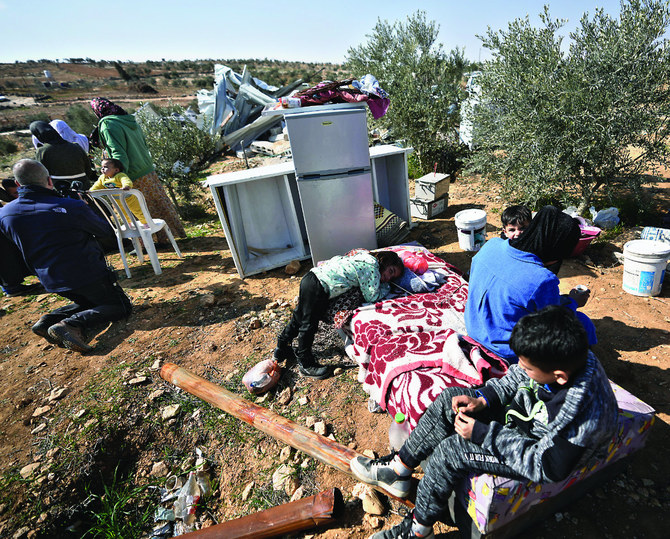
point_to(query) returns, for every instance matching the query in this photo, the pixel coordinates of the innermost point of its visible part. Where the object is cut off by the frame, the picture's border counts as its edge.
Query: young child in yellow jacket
(113, 177)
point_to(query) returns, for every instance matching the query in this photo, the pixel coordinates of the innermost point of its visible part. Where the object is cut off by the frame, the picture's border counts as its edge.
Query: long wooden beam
(291, 433)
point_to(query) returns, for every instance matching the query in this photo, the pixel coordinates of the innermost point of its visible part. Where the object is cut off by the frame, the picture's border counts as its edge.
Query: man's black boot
(310, 367)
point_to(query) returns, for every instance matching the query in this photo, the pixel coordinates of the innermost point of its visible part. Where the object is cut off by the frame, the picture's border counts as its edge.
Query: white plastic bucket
(644, 266)
(471, 226)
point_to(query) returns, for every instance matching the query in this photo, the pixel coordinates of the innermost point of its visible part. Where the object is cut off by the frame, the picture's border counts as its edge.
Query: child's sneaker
(402, 531)
(380, 472)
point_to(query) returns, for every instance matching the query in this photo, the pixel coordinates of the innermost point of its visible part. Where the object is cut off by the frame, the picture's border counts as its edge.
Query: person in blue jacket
(512, 278)
(57, 237)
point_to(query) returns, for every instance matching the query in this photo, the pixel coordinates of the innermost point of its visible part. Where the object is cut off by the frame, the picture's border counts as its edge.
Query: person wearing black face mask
(509, 279)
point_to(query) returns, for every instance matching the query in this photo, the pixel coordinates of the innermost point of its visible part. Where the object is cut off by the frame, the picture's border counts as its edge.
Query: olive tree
(423, 83)
(563, 123)
(178, 149)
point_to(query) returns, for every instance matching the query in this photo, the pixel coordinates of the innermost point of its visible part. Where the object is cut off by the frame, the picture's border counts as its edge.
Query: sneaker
(314, 370)
(71, 337)
(380, 472)
(401, 531)
(282, 353)
(41, 328)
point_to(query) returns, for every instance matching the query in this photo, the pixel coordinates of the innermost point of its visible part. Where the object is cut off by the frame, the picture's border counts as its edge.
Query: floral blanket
(410, 348)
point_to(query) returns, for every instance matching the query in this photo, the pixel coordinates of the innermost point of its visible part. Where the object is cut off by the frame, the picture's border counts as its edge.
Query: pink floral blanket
(410, 348)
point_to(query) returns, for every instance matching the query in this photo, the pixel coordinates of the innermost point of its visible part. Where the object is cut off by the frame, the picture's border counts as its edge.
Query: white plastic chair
(126, 225)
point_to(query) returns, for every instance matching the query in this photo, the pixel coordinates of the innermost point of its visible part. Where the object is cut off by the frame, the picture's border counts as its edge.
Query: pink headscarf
(103, 107)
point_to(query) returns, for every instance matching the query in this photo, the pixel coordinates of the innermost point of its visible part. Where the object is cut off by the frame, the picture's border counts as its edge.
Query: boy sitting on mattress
(550, 413)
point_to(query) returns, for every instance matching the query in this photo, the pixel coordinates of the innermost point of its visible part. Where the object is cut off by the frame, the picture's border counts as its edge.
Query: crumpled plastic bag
(607, 218)
(262, 376)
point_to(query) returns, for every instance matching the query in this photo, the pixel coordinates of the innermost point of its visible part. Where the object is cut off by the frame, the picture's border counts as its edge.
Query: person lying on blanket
(371, 272)
(511, 278)
(552, 412)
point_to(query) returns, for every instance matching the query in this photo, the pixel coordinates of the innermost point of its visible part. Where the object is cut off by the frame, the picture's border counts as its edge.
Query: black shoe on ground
(71, 337)
(401, 531)
(282, 353)
(314, 370)
(380, 472)
(41, 328)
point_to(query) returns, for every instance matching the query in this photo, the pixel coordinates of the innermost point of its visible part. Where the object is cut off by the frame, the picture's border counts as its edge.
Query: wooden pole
(301, 438)
(319, 510)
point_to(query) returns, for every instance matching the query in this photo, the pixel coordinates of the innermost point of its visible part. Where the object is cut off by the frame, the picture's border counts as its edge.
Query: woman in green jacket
(122, 139)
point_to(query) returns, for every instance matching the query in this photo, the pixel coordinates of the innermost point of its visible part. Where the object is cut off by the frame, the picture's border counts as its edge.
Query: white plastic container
(398, 432)
(644, 266)
(471, 226)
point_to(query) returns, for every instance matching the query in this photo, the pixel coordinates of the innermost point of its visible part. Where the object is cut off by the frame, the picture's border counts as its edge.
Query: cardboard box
(432, 186)
(427, 209)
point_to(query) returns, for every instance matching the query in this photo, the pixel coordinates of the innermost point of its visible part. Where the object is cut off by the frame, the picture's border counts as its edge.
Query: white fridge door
(339, 214)
(328, 142)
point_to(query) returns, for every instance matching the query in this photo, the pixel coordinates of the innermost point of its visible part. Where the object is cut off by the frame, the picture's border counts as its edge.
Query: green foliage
(557, 124)
(178, 148)
(7, 146)
(423, 83)
(120, 512)
(37, 117)
(81, 119)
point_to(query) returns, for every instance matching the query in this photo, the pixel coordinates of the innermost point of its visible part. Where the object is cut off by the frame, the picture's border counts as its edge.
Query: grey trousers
(451, 458)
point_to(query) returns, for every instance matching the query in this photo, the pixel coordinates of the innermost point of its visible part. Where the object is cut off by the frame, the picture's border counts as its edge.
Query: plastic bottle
(187, 500)
(398, 432)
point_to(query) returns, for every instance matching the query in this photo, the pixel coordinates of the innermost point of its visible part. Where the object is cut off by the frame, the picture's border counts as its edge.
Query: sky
(142, 30)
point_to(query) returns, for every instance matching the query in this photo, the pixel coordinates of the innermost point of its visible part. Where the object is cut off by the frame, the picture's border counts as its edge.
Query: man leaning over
(57, 237)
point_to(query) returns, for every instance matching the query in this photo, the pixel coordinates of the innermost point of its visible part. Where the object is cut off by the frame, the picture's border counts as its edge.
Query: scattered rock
(291, 485)
(42, 518)
(53, 452)
(292, 267)
(280, 476)
(352, 445)
(359, 490)
(29, 470)
(302, 401)
(247, 491)
(285, 396)
(298, 494)
(285, 454)
(372, 521)
(170, 411)
(39, 428)
(310, 421)
(42, 410)
(80, 413)
(21, 532)
(159, 469)
(57, 393)
(337, 371)
(138, 380)
(90, 423)
(156, 365)
(255, 323)
(372, 504)
(305, 464)
(156, 394)
(207, 300)
(370, 454)
(23, 403)
(272, 305)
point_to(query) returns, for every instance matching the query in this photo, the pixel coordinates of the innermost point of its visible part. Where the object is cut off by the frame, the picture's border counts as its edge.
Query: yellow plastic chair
(113, 204)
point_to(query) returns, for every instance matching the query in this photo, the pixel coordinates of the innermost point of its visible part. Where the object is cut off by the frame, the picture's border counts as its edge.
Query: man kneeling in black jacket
(58, 239)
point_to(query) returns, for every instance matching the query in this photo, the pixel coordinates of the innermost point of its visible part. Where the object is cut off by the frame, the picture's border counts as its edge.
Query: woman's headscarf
(45, 133)
(551, 235)
(103, 107)
(67, 133)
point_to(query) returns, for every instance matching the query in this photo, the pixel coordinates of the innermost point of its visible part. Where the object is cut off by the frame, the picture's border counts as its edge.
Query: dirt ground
(200, 315)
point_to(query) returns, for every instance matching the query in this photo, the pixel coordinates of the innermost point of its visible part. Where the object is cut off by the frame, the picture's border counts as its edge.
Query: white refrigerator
(332, 166)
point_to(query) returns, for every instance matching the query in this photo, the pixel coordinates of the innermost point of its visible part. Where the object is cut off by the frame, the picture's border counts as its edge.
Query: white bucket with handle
(644, 263)
(471, 226)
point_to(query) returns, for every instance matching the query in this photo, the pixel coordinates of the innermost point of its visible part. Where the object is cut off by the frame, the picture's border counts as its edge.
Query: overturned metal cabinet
(260, 213)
